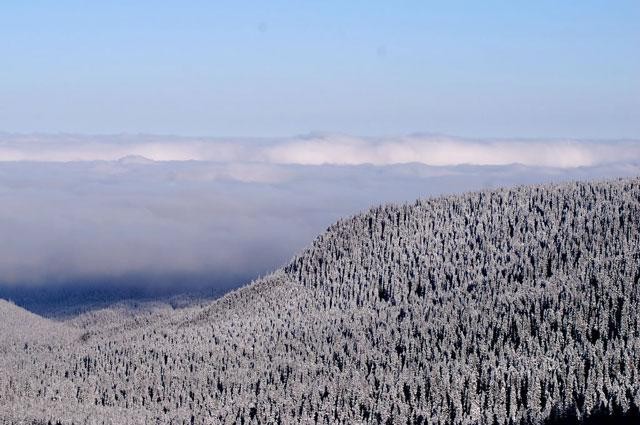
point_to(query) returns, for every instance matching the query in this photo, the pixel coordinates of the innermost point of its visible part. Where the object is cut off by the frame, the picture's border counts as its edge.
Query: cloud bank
(321, 150)
(88, 209)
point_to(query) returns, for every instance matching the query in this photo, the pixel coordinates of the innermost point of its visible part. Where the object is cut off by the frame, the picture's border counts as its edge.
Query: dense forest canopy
(514, 306)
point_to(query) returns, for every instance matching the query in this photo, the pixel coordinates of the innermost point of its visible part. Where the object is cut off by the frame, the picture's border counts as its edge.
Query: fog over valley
(107, 218)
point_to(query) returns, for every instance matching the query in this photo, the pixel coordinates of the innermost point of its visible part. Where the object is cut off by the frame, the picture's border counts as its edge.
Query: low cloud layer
(320, 150)
(100, 208)
(442, 151)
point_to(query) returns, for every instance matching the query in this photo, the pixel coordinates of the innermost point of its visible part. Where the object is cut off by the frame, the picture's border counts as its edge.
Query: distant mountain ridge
(513, 306)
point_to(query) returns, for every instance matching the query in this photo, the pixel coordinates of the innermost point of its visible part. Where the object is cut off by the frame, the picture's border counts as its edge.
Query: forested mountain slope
(20, 328)
(511, 306)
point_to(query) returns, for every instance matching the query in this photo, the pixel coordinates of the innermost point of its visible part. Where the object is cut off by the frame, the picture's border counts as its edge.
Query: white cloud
(317, 150)
(449, 151)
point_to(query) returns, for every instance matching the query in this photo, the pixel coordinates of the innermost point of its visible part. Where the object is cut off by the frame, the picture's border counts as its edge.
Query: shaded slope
(512, 306)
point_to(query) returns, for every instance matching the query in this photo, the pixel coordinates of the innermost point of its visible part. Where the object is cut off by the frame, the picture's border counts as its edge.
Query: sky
(540, 69)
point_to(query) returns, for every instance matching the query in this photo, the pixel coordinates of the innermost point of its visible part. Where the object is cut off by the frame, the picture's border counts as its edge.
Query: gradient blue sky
(273, 68)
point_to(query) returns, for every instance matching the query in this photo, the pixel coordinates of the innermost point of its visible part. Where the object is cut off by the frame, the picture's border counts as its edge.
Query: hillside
(19, 327)
(514, 306)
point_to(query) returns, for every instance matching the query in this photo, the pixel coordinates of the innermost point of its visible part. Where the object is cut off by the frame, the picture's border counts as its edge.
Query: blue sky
(242, 68)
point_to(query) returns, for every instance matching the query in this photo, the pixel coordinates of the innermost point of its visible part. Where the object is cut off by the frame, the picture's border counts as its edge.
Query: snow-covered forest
(514, 306)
